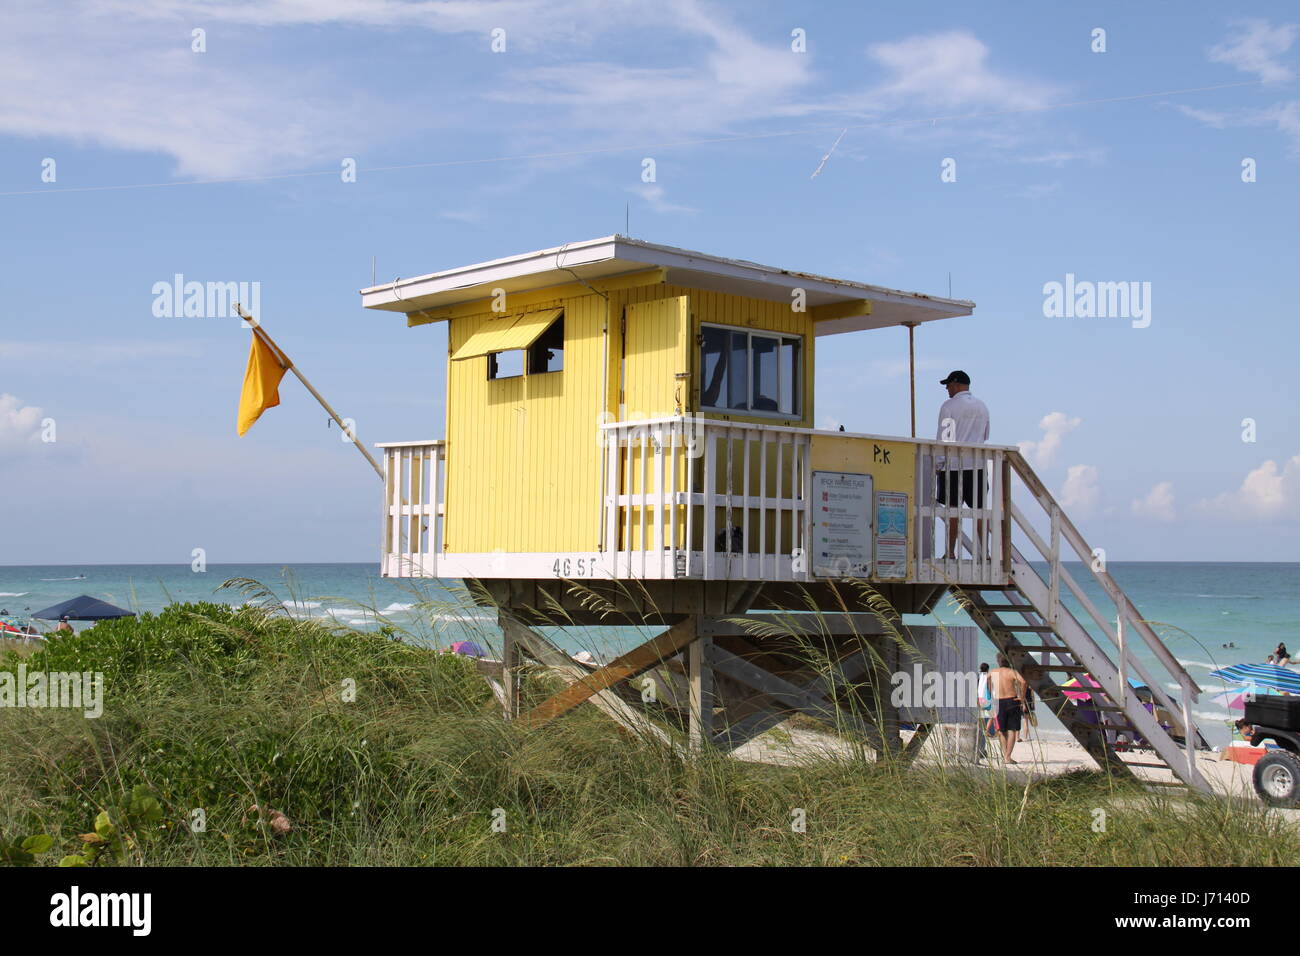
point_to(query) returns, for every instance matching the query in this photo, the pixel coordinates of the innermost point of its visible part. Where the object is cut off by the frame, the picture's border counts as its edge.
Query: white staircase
(1026, 619)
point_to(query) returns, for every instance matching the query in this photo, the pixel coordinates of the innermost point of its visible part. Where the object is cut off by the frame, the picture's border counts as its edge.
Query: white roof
(619, 255)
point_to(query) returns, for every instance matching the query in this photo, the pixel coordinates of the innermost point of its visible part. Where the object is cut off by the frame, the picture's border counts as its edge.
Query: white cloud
(1059, 157)
(235, 112)
(657, 198)
(20, 425)
(1158, 503)
(1055, 426)
(1081, 492)
(1267, 493)
(951, 70)
(1255, 47)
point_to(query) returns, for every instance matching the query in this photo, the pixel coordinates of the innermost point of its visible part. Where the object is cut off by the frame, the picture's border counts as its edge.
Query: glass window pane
(713, 367)
(507, 364)
(737, 372)
(791, 366)
(765, 374)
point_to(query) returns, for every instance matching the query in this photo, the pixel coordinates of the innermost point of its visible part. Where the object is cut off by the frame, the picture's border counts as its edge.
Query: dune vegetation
(247, 736)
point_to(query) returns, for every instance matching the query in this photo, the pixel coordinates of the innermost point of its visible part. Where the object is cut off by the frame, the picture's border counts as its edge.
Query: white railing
(699, 498)
(413, 507)
(1118, 662)
(686, 497)
(963, 494)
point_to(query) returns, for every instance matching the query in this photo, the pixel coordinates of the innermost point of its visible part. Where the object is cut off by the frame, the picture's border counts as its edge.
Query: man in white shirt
(962, 418)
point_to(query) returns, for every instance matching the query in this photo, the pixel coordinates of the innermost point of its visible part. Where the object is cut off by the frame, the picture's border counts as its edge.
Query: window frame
(527, 363)
(749, 411)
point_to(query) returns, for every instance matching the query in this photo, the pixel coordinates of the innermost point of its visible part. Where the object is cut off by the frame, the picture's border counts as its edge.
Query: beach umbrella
(1140, 690)
(1269, 676)
(1231, 699)
(83, 608)
(1079, 682)
(468, 648)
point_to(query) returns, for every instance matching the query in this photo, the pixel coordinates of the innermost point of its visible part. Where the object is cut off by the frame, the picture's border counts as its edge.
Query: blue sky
(1068, 161)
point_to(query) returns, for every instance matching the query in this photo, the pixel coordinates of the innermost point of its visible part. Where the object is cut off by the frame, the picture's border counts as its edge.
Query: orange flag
(261, 384)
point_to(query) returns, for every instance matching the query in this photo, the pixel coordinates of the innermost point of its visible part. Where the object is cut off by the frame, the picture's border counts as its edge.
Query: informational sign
(891, 534)
(841, 542)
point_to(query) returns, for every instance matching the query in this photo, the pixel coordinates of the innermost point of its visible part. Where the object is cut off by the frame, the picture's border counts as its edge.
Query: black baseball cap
(958, 376)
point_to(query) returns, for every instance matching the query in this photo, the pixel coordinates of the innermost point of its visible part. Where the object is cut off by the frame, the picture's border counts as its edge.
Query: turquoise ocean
(1196, 607)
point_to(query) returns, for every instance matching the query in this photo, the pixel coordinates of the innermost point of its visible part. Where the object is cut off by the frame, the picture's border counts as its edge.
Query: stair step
(1023, 608)
(1153, 766)
(1068, 668)
(1036, 628)
(1040, 648)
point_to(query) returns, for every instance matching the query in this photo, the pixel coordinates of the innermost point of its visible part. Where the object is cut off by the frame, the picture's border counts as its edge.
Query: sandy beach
(1037, 758)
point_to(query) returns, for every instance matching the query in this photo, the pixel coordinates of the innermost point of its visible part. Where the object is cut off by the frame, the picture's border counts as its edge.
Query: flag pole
(287, 365)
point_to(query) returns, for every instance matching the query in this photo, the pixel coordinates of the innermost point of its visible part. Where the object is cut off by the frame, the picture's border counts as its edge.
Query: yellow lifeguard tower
(635, 421)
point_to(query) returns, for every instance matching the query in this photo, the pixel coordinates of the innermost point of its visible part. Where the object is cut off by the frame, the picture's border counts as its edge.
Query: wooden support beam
(509, 665)
(629, 665)
(547, 654)
(701, 692)
(806, 625)
(913, 747)
(810, 700)
(841, 310)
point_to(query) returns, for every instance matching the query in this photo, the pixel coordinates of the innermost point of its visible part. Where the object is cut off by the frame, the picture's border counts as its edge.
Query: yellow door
(654, 353)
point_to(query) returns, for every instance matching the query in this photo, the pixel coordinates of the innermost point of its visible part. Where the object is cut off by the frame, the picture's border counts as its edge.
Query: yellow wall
(523, 456)
(892, 466)
(523, 463)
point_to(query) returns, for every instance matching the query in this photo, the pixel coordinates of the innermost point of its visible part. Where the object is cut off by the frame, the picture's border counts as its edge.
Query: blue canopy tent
(84, 608)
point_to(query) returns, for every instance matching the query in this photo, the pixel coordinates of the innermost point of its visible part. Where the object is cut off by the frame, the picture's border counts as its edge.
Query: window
(751, 372)
(547, 353)
(509, 364)
(542, 347)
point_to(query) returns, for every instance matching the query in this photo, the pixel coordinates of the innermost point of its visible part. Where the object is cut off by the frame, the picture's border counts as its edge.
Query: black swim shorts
(1008, 714)
(971, 487)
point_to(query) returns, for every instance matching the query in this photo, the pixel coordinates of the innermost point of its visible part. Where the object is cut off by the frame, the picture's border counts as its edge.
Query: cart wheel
(1277, 778)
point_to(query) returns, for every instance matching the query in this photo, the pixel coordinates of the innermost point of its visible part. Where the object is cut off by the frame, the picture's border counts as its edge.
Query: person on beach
(984, 723)
(64, 625)
(1009, 691)
(962, 418)
(1282, 655)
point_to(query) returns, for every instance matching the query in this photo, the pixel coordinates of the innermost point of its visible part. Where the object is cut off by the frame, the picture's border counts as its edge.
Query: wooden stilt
(700, 669)
(510, 666)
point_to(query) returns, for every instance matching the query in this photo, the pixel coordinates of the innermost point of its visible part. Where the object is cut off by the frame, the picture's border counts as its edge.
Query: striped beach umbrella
(1267, 676)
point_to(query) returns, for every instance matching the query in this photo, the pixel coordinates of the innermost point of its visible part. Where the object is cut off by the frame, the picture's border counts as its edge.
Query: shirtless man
(1009, 693)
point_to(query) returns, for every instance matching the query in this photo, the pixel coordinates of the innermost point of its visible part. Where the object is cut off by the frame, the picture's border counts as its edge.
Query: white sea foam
(463, 617)
(1212, 715)
(1208, 667)
(14, 593)
(396, 608)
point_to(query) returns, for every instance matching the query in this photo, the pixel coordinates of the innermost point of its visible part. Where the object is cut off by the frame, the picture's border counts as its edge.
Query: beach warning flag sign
(261, 384)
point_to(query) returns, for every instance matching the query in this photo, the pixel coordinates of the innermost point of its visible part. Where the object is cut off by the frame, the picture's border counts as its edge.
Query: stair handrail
(1123, 604)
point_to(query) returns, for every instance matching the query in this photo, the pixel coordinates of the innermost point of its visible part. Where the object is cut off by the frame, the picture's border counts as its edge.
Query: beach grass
(378, 752)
